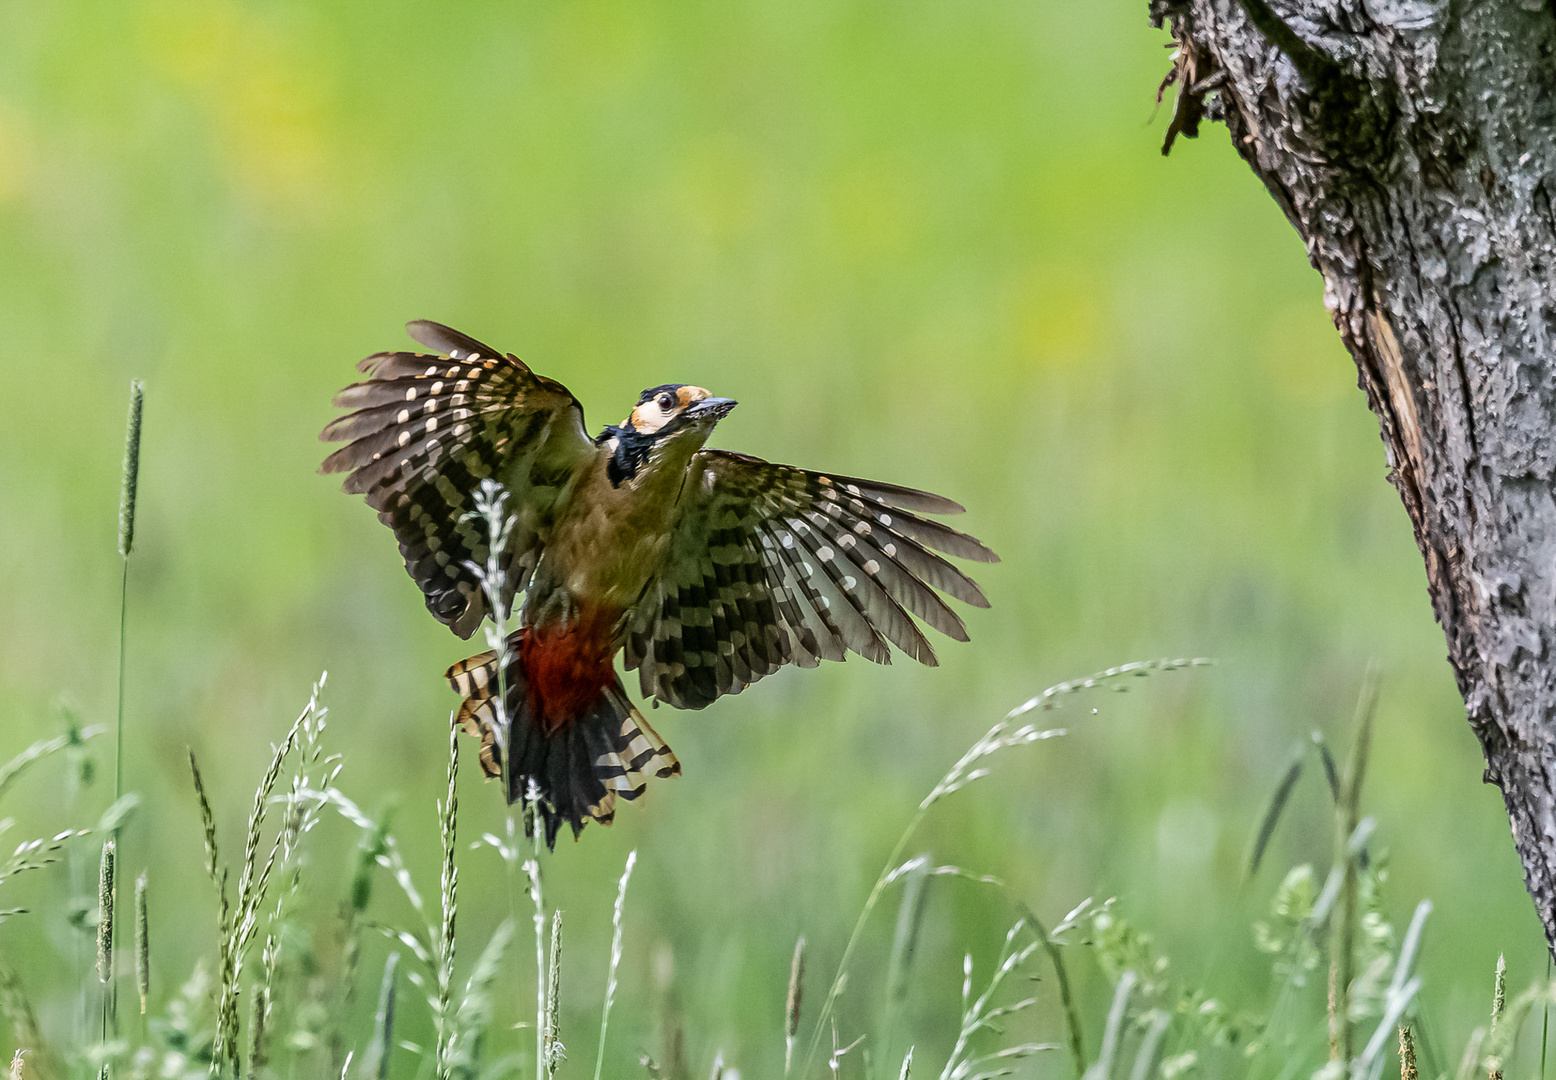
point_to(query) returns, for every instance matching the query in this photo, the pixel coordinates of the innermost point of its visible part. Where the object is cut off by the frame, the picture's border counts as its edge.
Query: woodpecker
(705, 569)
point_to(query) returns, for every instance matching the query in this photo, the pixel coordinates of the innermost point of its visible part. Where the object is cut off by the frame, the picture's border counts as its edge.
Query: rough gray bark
(1413, 146)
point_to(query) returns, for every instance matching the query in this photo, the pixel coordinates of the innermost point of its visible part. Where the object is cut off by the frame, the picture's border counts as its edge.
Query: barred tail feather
(608, 751)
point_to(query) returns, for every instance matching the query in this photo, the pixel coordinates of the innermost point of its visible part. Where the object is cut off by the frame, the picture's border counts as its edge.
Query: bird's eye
(667, 402)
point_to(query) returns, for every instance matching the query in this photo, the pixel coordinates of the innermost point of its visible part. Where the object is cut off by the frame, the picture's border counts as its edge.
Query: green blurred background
(931, 243)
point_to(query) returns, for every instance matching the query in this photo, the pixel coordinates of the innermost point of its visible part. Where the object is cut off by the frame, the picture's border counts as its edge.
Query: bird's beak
(713, 408)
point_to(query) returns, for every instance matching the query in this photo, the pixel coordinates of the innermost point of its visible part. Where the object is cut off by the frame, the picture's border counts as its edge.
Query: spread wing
(772, 565)
(427, 429)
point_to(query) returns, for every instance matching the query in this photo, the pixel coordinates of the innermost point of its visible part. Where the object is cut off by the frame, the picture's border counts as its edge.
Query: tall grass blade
(910, 915)
(1471, 1057)
(1113, 1032)
(1272, 813)
(41, 749)
(377, 1064)
(1370, 1065)
(475, 1008)
(1545, 1021)
(259, 1008)
(537, 899)
(1342, 967)
(1051, 946)
(1150, 1046)
(1331, 770)
(610, 976)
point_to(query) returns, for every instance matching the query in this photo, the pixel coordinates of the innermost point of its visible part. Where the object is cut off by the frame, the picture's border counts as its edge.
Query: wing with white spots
(424, 433)
(772, 565)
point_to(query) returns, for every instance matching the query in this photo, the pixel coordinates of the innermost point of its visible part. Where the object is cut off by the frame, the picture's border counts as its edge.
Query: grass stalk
(537, 899)
(1498, 1007)
(448, 819)
(383, 1021)
(105, 891)
(128, 490)
(792, 1003)
(1407, 1054)
(900, 962)
(1072, 1015)
(237, 926)
(610, 976)
(142, 944)
(556, 1053)
(105, 908)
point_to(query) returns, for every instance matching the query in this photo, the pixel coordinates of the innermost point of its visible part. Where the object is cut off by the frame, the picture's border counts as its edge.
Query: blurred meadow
(930, 243)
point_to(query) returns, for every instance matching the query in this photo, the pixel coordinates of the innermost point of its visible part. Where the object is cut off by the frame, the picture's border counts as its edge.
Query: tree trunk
(1413, 146)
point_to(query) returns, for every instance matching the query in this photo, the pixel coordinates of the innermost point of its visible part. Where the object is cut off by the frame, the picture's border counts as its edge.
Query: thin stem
(1545, 1024)
(1072, 1016)
(118, 756)
(111, 1006)
(532, 869)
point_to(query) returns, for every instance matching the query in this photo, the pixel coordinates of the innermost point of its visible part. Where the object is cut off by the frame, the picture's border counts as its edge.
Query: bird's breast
(610, 540)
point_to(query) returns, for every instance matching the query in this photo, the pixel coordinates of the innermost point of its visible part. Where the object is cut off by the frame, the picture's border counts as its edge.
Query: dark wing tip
(445, 339)
(367, 364)
(337, 462)
(895, 495)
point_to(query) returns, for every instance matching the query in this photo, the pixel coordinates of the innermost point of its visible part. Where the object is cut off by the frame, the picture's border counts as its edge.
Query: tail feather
(608, 752)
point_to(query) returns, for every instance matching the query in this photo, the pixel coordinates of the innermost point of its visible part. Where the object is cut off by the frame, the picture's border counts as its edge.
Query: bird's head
(672, 420)
(662, 411)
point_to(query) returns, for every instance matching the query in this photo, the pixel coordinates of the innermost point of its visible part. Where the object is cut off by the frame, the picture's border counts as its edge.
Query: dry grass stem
(1407, 1054)
(1498, 1008)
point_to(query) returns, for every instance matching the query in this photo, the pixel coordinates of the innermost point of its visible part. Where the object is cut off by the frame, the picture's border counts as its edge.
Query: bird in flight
(705, 569)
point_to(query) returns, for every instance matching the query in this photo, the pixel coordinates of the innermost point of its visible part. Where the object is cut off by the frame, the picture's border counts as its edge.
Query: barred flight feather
(426, 430)
(773, 565)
